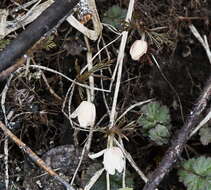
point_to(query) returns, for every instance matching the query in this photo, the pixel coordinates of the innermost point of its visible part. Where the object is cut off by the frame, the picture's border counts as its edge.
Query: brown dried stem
(34, 157)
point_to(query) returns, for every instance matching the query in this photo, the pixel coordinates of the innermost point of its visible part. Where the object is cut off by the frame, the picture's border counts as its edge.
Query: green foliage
(115, 180)
(205, 135)
(196, 173)
(49, 44)
(3, 44)
(160, 134)
(114, 16)
(155, 120)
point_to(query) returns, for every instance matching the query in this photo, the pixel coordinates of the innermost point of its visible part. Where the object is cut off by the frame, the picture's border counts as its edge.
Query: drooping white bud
(113, 160)
(86, 114)
(138, 49)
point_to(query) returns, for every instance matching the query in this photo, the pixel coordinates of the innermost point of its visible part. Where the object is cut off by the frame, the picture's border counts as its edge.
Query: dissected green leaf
(205, 135)
(155, 120)
(50, 44)
(160, 134)
(3, 43)
(196, 173)
(154, 113)
(114, 16)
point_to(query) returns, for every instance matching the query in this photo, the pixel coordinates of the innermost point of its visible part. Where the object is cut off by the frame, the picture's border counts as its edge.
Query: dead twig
(34, 157)
(203, 40)
(6, 73)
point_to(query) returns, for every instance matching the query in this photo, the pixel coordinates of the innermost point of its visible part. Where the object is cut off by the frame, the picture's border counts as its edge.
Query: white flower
(86, 114)
(113, 159)
(138, 49)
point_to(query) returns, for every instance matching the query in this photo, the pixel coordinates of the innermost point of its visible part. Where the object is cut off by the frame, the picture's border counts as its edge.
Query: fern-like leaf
(155, 120)
(196, 173)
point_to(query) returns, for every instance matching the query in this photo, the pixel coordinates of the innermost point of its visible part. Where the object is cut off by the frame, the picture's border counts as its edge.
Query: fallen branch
(34, 157)
(4, 74)
(180, 140)
(45, 22)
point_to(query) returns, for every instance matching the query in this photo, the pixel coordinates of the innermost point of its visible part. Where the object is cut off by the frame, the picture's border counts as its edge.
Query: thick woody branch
(45, 22)
(180, 140)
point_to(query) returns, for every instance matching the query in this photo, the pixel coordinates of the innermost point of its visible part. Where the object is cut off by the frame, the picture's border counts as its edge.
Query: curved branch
(45, 22)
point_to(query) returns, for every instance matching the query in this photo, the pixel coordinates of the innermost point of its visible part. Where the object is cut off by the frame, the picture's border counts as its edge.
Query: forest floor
(35, 97)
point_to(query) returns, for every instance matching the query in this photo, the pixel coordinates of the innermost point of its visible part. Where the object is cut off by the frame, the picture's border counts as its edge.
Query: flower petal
(120, 166)
(138, 49)
(74, 114)
(109, 168)
(96, 155)
(86, 114)
(113, 160)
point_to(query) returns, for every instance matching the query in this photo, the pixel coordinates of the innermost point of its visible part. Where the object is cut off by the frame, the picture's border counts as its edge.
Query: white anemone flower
(113, 159)
(86, 114)
(138, 49)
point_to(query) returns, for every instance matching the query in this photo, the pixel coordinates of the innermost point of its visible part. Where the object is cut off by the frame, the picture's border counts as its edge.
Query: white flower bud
(138, 49)
(113, 160)
(86, 114)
